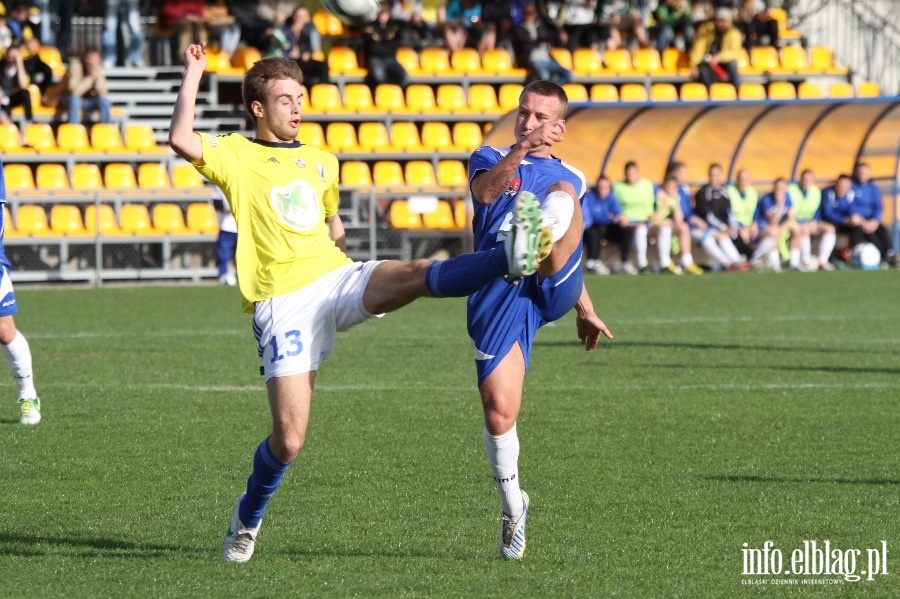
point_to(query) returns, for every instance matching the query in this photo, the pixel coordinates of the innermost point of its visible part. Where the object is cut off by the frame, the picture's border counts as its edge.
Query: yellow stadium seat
(401, 217)
(325, 97)
(784, 31)
(186, 176)
(217, 61)
(389, 98)
(794, 59)
(31, 221)
(462, 215)
(451, 98)
(50, 176)
(202, 219)
(467, 136)
(674, 61)
(722, 91)
(373, 137)
(39, 136)
(821, 60)
(120, 176)
(743, 61)
(341, 137)
(563, 57)
(587, 61)
(782, 90)
(327, 23)
(483, 98)
(358, 98)
(11, 140)
(576, 92)
(135, 220)
(409, 60)
(86, 175)
(107, 220)
(140, 138)
(342, 60)
(633, 92)
(508, 96)
(663, 92)
(168, 219)
(693, 92)
(868, 89)
(311, 134)
(452, 173)
(618, 61)
(419, 173)
(647, 61)
(434, 61)
(9, 227)
(604, 92)
(841, 89)
(465, 61)
(751, 91)
(355, 173)
(73, 137)
(65, 219)
(387, 173)
(436, 137)
(106, 137)
(153, 175)
(440, 218)
(245, 57)
(18, 177)
(36, 105)
(51, 57)
(420, 98)
(405, 137)
(809, 91)
(765, 59)
(497, 61)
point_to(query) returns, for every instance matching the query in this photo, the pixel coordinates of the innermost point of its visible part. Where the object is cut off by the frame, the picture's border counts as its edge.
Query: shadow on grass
(736, 478)
(38, 545)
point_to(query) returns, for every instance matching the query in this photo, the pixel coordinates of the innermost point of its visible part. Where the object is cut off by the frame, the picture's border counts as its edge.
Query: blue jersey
(834, 208)
(866, 201)
(3, 259)
(600, 211)
(685, 201)
(768, 207)
(500, 313)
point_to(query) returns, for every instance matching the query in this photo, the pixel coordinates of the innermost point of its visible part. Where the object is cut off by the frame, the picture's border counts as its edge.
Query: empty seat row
(75, 138)
(87, 176)
(402, 136)
(32, 220)
(440, 214)
(416, 173)
(697, 92)
(450, 98)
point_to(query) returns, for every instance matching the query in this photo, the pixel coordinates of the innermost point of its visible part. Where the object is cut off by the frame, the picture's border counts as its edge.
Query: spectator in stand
(807, 199)
(683, 211)
(221, 23)
(756, 24)
(6, 36)
(14, 85)
(744, 200)
(533, 40)
(18, 23)
(132, 10)
(464, 26)
(673, 17)
(418, 32)
(714, 52)
(39, 72)
(381, 39)
(304, 39)
(576, 20)
(638, 198)
(624, 16)
(865, 213)
(603, 219)
(713, 206)
(182, 19)
(85, 86)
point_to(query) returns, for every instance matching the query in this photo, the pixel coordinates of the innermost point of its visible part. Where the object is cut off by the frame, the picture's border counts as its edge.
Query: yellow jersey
(280, 194)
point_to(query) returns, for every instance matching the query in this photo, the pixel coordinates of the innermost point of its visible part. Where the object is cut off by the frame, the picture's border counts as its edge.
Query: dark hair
(670, 179)
(257, 79)
(549, 89)
(806, 171)
(674, 166)
(630, 164)
(713, 165)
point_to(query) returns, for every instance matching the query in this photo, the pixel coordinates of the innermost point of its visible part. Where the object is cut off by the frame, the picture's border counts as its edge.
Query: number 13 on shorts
(289, 346)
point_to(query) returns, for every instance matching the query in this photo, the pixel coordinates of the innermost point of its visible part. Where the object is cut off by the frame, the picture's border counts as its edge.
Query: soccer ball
(866, 256)
(353, 12)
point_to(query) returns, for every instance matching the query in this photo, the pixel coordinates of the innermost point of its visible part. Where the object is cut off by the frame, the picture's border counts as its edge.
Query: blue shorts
(500, 314)
(8, 304)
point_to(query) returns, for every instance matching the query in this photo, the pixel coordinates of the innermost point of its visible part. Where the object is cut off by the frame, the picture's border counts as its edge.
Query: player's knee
(563, 186)
(286, 447)
(7, 330)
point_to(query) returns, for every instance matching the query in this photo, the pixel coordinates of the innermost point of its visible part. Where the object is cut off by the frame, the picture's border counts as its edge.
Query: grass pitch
(730, 409)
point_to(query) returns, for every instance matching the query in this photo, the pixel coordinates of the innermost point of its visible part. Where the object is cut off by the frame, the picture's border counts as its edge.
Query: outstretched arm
(588, 323)
(184, 141)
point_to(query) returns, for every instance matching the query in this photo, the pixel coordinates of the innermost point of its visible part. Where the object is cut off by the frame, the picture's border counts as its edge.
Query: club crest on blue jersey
(513, 187)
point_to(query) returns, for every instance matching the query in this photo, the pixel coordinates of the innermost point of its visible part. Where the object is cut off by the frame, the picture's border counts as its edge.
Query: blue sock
(465, 274)
(265, 478)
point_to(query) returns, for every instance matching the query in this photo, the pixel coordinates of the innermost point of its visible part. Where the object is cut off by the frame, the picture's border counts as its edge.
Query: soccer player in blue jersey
(503, 316)
(293, 272)
(774, 217)
(15, 346)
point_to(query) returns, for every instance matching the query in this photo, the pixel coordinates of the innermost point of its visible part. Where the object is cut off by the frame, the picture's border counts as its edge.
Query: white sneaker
(826, 266)
(600, 268)
(29, 410)
(526, 238)
(240, 540)
(512, 533)
(629, 269)
(229, 279)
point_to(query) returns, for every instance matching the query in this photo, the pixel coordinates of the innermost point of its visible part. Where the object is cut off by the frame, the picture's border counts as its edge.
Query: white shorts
(295, 332)
(8, 305)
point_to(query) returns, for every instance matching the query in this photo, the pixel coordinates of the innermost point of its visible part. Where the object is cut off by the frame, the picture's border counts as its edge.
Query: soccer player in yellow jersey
(293, 272)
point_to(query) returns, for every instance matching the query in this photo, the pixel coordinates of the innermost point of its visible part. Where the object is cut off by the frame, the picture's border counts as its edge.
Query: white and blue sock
(265, 478)
(503, 457)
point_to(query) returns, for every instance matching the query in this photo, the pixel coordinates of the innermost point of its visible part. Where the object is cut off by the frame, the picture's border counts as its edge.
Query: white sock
(640, 246)
(18, 355)
(805, 249)
(556, 212)
(826, 246)
(795, 258)
(713, 250)
(664, 246)
(727, 245)
(687, 258)
(765, 246)
(503, 457)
